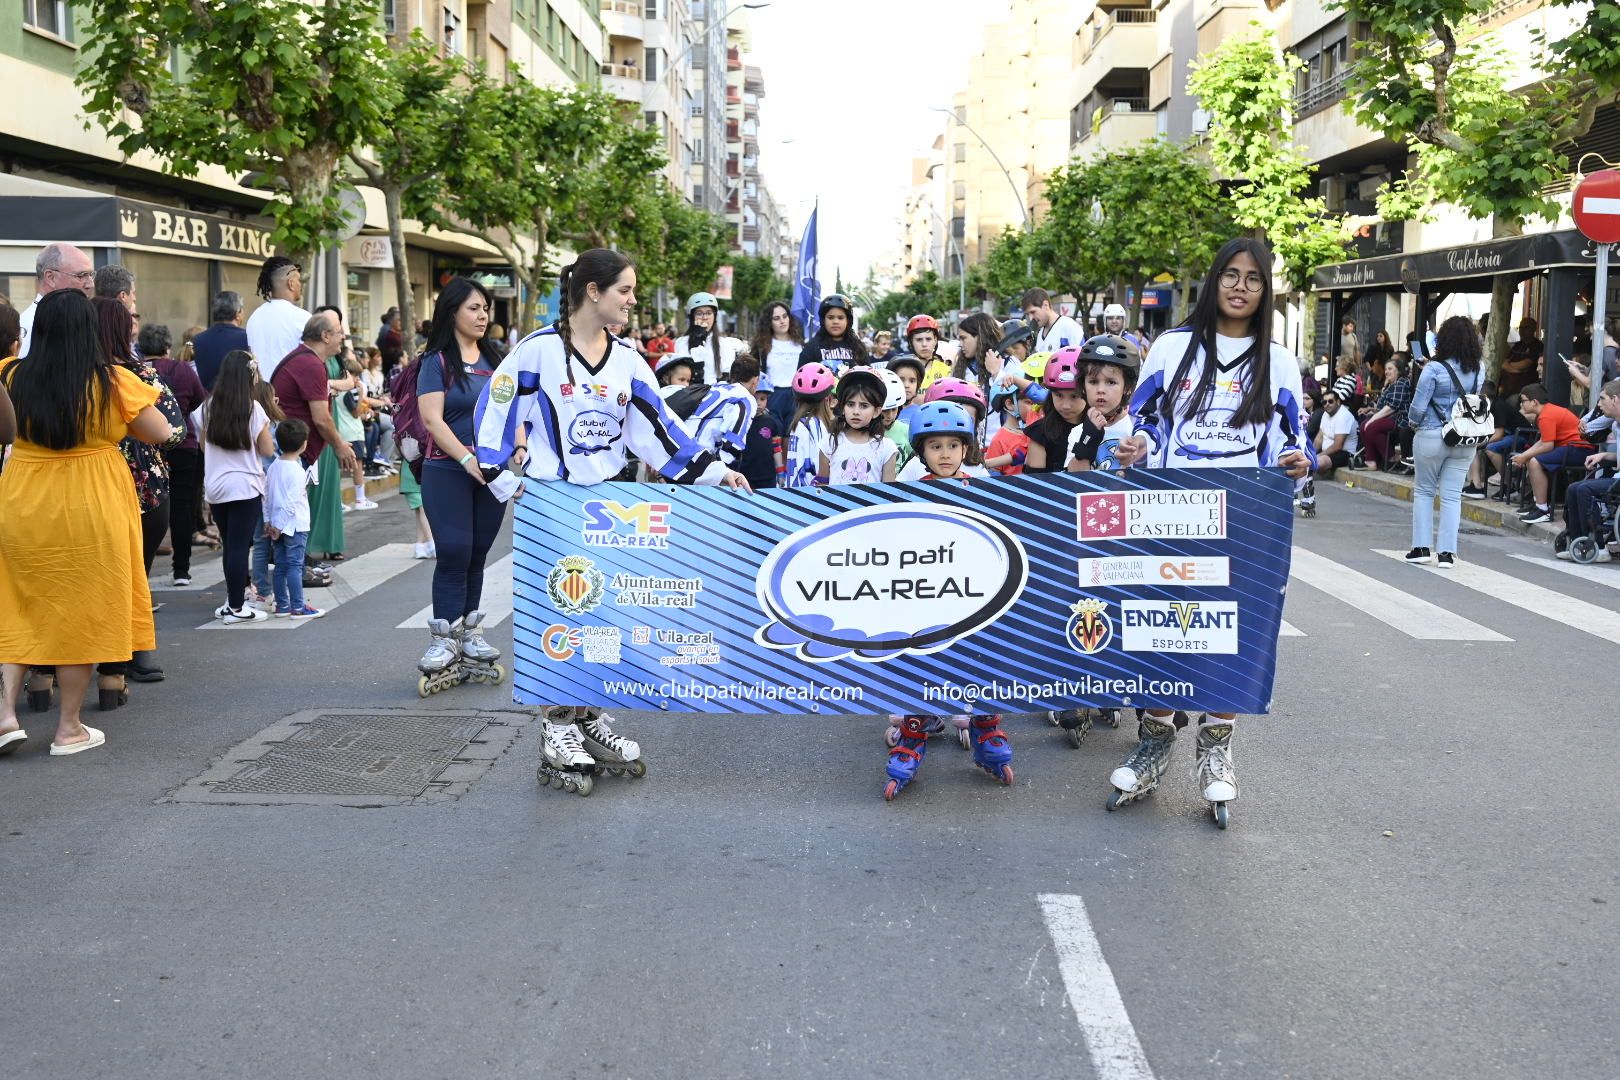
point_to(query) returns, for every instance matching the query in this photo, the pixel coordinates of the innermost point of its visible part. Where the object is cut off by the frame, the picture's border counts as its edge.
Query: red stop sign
(1597, 207)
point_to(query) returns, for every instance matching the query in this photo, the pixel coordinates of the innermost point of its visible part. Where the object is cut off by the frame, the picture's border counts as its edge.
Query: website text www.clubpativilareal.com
(1122, 689)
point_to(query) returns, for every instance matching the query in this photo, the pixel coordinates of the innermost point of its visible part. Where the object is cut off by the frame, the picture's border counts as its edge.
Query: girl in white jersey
(807, 434)
(1214, 393)
(586, 398)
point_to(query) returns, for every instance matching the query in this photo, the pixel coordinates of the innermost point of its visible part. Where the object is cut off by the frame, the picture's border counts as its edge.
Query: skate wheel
(638, 768)
(890, 790)
(584, 784)
(1109, 717)
(1113, 799)
(965, 738)
(39, 700)
(1076, 736)
(1220, 815)
(1006, 775)
(500, 673)
(891, 737)
(543, 777)
(422, 686)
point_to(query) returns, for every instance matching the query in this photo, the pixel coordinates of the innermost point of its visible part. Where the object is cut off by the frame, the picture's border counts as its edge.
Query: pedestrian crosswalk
(1471, 603)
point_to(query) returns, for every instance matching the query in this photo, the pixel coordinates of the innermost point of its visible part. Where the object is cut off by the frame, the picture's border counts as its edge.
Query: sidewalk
(1488, 512)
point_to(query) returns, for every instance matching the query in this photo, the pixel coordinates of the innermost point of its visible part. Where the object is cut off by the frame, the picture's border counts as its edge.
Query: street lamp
(682, 55)
(1029, 223)
(675, 64)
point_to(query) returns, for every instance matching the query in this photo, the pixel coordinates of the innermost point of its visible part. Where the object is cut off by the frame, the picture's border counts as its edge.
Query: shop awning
(1523, 255)
(35, 212)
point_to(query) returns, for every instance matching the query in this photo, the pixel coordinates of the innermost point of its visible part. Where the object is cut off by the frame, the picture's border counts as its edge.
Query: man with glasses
(59, 266)
(1338, 438)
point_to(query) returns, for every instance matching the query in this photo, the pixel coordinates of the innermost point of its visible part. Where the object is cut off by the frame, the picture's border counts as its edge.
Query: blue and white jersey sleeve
(1147, 403)
(720, 422)
(1287, 431)
(509, 403)
(655, 436)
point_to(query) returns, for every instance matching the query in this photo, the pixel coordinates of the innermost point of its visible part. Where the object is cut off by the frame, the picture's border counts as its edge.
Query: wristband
(464, 459)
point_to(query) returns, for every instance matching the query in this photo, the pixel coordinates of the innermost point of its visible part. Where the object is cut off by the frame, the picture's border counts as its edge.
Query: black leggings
(465, 519)
(185, 503)
(236, 521)
(154, 523)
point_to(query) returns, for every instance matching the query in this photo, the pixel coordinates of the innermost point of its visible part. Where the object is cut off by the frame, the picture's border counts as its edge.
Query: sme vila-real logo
(575, 585)
(1089, 629)
(611, 524)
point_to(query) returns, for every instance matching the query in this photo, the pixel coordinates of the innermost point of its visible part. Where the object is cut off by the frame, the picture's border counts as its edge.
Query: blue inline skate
(906, 754)
(992, 751)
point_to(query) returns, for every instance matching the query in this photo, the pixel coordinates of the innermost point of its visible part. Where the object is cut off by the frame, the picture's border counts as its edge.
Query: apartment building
(753, 215)
(926, 243)
(648, 42)
(707, 177)
(188, 238)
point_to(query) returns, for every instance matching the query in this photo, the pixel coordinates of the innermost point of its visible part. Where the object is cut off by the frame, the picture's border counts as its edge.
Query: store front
(179, 258)
(1553, 271)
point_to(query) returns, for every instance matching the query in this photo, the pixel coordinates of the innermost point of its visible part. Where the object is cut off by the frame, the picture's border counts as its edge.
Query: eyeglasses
(1232, 278)
(76, 275)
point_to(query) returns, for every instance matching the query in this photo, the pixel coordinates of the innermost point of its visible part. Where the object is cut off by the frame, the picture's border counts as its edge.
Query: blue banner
(1019, 594)
(807, 280)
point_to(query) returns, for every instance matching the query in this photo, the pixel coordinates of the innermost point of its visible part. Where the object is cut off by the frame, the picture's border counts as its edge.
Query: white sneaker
(345, 507)
(244, 614)
(365, 504)
(1603, 556)
(181, 581)
(432, 550)
(420, 551)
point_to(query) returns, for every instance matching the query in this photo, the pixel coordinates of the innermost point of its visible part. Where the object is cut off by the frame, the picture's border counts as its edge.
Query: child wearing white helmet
(1114, 318)
(710, 351)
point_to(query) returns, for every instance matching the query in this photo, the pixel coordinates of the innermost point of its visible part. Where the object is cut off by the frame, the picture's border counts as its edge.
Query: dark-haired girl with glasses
(1216, 392)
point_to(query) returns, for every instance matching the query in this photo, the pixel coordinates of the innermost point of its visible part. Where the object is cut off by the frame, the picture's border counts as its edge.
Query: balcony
(1118, 124)
(1126, 39)
(734, 60)
(623, 18)
(1313, 99)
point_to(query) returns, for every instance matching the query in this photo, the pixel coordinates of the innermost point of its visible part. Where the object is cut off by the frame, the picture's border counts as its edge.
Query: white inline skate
(614, 754)
(1142, 771)
(564, 761)
(458, 653)
(1213, 767)
(478, 657)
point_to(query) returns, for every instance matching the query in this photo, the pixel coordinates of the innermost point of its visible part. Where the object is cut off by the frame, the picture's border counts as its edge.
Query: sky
(848, 86)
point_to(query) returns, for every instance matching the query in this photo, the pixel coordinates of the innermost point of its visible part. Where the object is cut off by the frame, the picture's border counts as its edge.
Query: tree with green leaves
(677, 245)
(754, 283)
(278, 89)
(538, 179)
(1247, 87)
(435, 109)
(1426, 74)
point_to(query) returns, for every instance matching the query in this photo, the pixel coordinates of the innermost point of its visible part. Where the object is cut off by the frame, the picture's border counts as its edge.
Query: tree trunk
(1136, 306)
(1502, 290)
(536, 274)
(393, 198)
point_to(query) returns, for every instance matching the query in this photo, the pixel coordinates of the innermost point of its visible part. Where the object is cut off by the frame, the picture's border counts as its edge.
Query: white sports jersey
(850, 462)
(720, 421)
(1206, 438)
(708, 368)
(805, 443)
(1121, 428)
(1063, 332)
(580, 420)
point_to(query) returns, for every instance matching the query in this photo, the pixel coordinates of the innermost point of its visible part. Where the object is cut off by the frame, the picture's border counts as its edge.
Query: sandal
(205, 539)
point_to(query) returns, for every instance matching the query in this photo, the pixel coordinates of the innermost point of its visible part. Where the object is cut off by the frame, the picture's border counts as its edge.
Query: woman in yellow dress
(72, 583)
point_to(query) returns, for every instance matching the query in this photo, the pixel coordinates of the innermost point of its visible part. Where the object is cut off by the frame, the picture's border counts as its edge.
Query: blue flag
(807, 290)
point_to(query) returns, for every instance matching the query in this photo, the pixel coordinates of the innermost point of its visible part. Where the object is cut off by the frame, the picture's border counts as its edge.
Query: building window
(390, 14)
(452, 31)
(649, 120)
(961, 151)
(650, 58)
(651, 11)
(51, 16)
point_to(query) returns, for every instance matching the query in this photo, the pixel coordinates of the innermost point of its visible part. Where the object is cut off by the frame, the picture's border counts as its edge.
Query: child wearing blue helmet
(945, 438)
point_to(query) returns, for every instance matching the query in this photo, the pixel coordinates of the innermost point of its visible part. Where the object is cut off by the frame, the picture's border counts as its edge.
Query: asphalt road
(1420, 879)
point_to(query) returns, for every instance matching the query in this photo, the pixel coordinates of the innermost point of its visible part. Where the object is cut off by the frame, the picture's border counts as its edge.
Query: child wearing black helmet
(1110, 365)
(855, 451)
(836, 344)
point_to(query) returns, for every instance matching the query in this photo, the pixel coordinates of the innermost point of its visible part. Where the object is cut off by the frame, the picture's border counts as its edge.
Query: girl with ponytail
(584, 400)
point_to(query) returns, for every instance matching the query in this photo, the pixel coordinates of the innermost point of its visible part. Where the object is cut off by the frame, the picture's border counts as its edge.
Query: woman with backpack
(452, 373)
(1442, 469)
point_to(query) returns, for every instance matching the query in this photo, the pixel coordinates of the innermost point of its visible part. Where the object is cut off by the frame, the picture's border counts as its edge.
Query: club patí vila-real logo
(1090, 629)
(575, 585)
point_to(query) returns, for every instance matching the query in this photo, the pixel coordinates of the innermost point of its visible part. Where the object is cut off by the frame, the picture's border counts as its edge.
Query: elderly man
(275, 327)
(303, 390)
(59, 266)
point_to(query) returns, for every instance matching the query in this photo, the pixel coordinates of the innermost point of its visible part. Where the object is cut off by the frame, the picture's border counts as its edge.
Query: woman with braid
(582, 399)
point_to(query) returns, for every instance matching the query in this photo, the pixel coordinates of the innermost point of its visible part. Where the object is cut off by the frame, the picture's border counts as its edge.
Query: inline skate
(1076, 723)
(1141, 771)
(906, 755)
(1213, 768)
(477, 655)
(564, 761)
(614, 754)
(1307, 498)
(891, 737)
(992, 751)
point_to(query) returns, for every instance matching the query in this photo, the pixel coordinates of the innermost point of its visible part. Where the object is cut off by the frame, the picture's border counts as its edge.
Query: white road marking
(1116, 1052)
(1389, 605)
(1602, 575)
(497, 598)
(1548, 603)
(1290, 630)
(204, 575)
(349, 580)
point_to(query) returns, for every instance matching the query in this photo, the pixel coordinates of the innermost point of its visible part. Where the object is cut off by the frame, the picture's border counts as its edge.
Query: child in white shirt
(286, 519)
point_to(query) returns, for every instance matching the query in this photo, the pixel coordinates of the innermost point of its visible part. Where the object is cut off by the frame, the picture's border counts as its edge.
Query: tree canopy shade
(1428, 74)
(1246, 85)
(280, 89)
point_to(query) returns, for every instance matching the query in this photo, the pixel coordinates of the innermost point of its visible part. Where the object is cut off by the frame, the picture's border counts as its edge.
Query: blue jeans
(1441, 470)
(260, 561)
(289, 579)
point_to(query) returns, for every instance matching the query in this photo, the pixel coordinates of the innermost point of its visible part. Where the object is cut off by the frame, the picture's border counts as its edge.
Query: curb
(1486, 512)
(378, 484)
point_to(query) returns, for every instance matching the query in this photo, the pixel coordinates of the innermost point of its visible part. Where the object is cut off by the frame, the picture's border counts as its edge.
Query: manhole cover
(356, 758)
